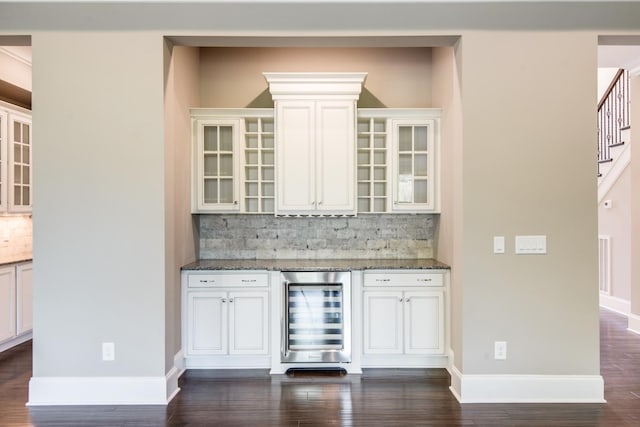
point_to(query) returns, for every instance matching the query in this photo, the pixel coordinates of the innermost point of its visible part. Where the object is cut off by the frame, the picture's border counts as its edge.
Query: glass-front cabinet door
(3, 160)
(414, 166)
(20, 164)
(217, 166)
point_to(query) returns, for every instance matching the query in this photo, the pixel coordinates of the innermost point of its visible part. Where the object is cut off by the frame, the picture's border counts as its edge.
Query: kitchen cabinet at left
(225, 319)
(16, 319)
(15, 159)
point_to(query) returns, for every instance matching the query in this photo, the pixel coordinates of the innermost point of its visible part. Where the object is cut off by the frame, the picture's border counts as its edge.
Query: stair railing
(613, 116)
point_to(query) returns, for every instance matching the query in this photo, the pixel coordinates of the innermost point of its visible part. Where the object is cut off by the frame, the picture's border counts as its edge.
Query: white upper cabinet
(315, 153)
(233, 160)
(414, 165)
(315, 120)
(15, 159)
(216, 186)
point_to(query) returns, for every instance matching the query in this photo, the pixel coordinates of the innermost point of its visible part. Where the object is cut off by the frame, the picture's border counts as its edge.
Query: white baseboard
(106, 390)
(15, 341)
(178, 362)
(227, 362)
(404, 361)
(526, 388)
(616, 304)
(633, 323)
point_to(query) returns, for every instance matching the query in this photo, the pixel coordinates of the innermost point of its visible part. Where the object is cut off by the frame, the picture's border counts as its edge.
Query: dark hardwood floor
(377, 398)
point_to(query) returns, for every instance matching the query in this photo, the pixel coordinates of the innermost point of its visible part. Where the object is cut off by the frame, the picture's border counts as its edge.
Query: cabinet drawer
(211, 280)
(403, 279)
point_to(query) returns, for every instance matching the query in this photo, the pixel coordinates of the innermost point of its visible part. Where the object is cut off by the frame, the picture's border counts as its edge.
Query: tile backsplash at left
(16, 238)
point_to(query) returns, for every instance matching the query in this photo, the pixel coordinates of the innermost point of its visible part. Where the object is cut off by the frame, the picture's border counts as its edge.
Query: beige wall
(616, 223)
(446, 94)
(634, 321)
(522, 121)
(181, 92)
(99, 243)
(397, 77)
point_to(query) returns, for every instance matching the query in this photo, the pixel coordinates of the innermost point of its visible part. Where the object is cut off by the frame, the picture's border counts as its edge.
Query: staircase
(614, 132)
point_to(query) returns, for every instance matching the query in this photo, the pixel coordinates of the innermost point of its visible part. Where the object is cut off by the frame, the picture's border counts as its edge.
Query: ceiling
(626, 56)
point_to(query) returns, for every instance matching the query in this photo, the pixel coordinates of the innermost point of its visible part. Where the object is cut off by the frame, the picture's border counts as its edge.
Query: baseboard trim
(15, 341)
(45, 391)
(616, 304)
(404, 361)
(527, 388)
(633, 323)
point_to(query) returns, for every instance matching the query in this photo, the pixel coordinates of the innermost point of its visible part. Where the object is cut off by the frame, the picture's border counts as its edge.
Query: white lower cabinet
(16, 314)
(8, 301)
(399, 319)
(226, 327)
(24, 298)
(403, 326)
(228, 323)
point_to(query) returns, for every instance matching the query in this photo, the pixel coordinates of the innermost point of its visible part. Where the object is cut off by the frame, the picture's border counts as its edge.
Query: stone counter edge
(317, 265)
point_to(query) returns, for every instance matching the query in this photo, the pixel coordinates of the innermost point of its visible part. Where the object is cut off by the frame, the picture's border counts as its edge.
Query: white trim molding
(611, 177)
(15, 341)
(633, 323)
(527, 388)
(104, 390)
(619, 305)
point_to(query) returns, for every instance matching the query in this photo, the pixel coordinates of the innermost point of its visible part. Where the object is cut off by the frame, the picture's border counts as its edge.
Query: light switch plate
(527, 245)
(498, 244)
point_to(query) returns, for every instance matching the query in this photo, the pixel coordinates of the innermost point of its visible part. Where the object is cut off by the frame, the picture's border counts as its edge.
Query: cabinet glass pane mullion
(372, 164)
(2, 159)
(21, 162)
(259, 165)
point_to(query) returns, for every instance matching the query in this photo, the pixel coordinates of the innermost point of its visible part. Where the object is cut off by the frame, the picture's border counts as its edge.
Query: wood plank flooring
(377, 398)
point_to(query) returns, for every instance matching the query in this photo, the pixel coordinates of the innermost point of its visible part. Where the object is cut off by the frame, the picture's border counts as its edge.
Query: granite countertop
(17, 261)
(316, 265)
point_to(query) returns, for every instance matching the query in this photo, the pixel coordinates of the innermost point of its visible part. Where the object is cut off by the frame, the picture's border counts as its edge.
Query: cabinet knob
(224, 300)
(407, 300)
(400, 299)
(230, 299)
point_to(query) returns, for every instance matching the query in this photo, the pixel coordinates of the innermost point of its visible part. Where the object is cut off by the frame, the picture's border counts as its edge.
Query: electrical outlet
(108, 351)
(500, 350)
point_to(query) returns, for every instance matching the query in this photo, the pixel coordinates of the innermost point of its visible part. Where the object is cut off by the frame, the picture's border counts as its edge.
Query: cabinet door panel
(383, 322)
(207, 323)
(20, 158)
(24, 298)
(216, 163)
(7, 304)
(248, 323)
(424, 329)
(335, 156)
(295, 156)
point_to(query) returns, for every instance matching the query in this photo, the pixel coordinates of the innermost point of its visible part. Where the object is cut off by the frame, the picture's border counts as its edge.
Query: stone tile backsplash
(16, 237)
(371, 236)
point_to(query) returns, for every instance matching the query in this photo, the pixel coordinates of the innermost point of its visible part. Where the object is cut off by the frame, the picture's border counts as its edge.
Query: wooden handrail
(607, 92)
(613, 116)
